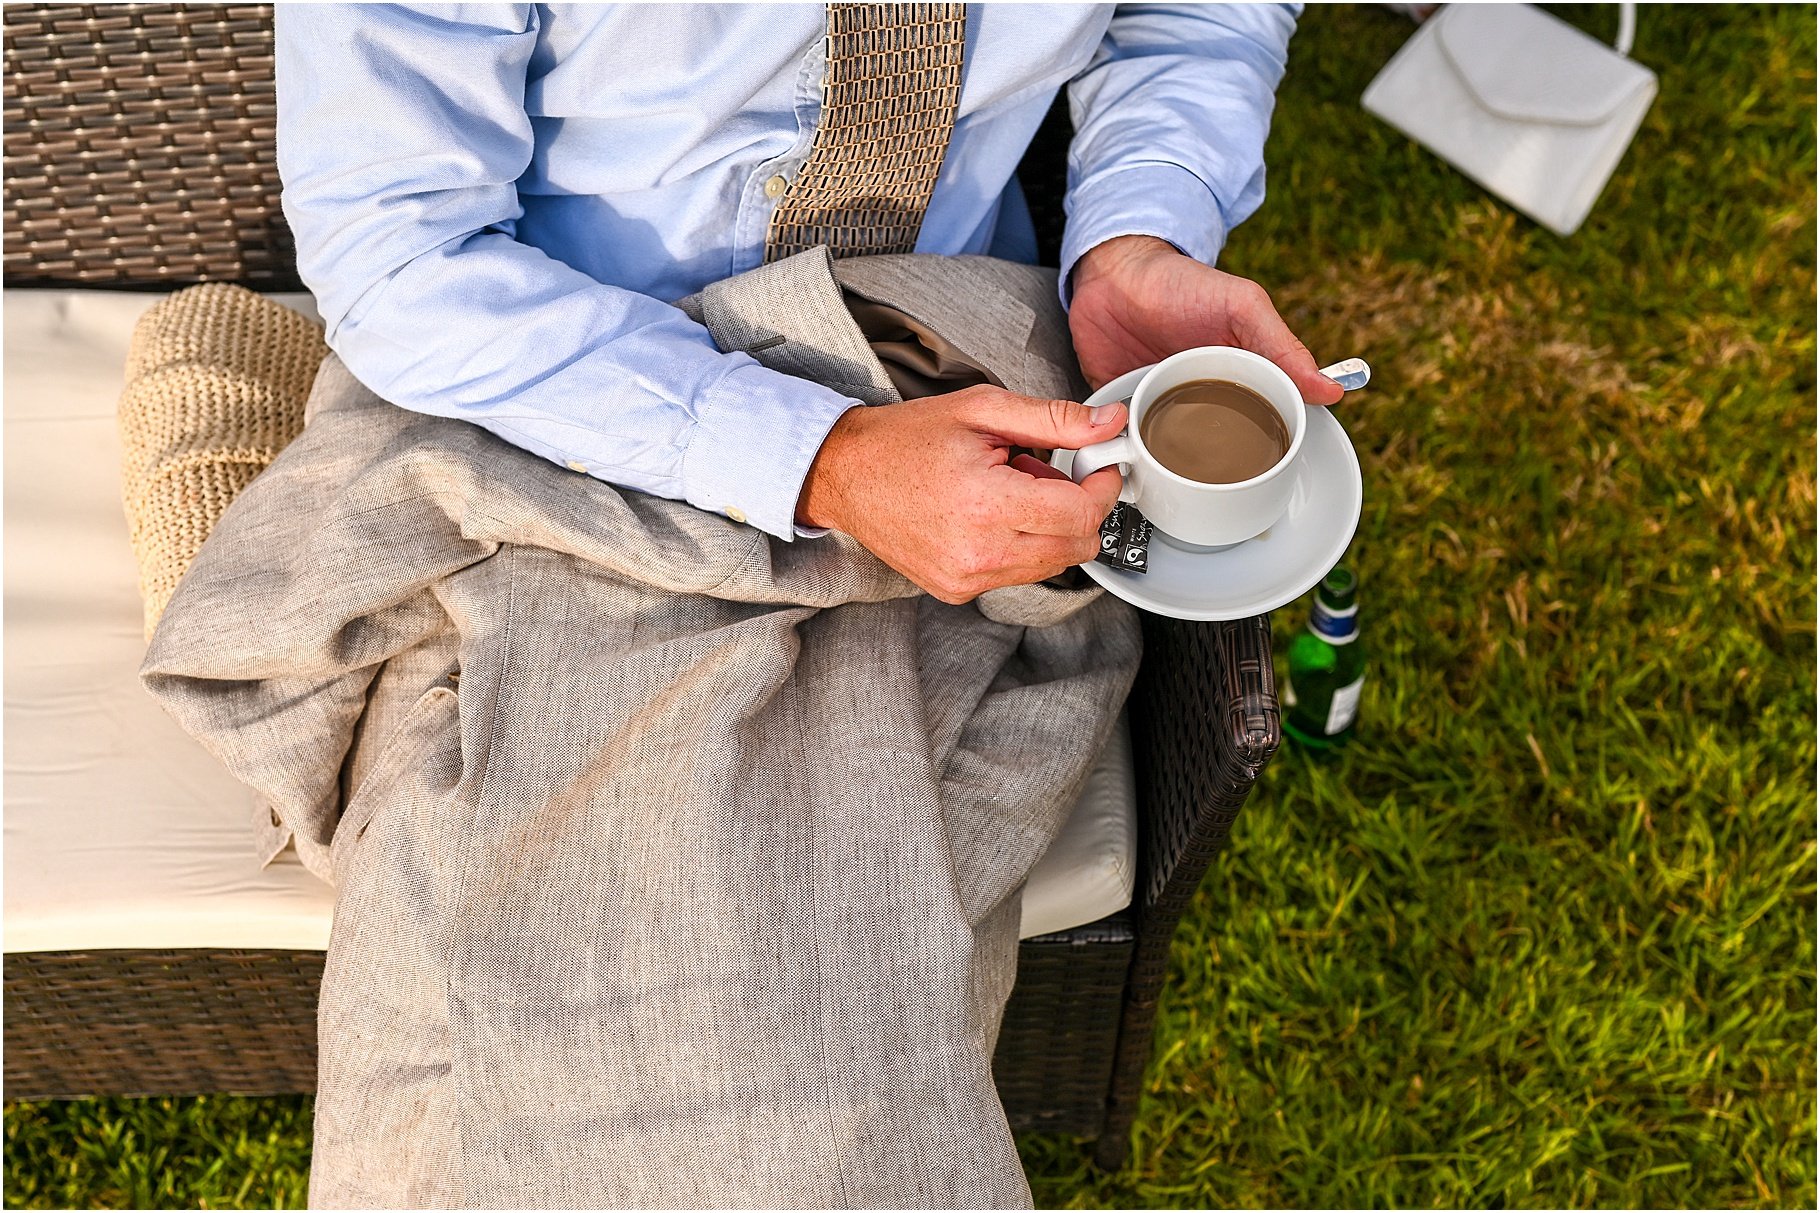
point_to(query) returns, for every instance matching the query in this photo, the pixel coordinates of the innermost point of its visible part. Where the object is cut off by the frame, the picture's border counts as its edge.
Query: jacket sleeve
(401, 134)
(1170, 119)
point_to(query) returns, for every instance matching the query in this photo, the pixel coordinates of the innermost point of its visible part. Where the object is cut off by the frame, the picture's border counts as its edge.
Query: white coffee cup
(1196, 512)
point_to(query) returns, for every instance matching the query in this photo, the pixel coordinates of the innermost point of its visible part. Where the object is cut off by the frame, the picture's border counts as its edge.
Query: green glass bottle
(1327, 666)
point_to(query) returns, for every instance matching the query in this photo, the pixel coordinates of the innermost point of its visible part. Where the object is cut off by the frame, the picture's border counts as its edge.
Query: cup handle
(1090, 459)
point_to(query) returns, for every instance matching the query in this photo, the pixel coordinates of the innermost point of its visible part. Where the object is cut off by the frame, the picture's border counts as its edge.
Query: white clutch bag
(1523, 103)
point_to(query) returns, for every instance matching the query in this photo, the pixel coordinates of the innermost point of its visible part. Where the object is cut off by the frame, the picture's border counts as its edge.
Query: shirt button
(775, 187)
(576, 465)
(736, 514)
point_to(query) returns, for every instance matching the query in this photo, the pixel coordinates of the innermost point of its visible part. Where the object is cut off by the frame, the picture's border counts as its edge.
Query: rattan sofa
(139, 155)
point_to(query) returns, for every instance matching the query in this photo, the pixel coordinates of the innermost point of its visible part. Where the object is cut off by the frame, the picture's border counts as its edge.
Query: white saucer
(1267, 571)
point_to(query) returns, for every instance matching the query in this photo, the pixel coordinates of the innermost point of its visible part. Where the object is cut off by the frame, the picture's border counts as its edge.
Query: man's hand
(1138, 300)
(929, 487)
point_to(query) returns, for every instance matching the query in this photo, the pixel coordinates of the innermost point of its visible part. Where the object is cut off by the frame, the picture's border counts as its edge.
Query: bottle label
(1345, 705)
(1335, 627)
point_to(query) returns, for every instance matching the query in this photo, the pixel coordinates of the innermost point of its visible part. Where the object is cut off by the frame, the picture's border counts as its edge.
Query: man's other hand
(1138, 300)
(931, 488)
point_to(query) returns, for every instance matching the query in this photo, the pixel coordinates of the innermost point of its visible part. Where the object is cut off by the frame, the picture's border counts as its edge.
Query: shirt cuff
(1154, 199)
(756, 433)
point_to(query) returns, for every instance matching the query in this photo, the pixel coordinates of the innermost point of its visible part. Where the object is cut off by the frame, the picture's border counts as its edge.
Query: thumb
(1315, 387)
(1044, 424)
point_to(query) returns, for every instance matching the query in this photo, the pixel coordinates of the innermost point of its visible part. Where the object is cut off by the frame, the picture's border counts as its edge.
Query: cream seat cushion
(120, 830)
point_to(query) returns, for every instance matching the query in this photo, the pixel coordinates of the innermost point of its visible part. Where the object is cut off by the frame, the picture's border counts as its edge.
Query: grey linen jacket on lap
(677, 865)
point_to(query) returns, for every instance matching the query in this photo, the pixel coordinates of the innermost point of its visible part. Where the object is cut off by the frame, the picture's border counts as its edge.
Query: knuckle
(950, 589)
(971, 563)
(992, 398)
(1254, 293)
(1088, 518)
(979, 515)
(968, 403)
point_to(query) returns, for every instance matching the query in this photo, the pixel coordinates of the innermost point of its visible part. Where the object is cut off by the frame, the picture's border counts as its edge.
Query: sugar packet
(1125, 539)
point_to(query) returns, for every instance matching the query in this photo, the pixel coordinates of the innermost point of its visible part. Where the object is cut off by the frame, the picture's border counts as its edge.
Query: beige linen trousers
(678, 865)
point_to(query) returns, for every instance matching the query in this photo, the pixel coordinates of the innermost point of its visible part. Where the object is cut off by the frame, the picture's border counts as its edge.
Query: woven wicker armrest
(1204, 721)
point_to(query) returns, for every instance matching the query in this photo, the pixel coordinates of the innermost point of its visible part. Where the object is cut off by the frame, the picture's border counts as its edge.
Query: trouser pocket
(428, 725)
(387, 1124)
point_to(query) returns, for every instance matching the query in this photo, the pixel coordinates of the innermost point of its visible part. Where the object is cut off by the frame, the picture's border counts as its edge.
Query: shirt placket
(767, 184)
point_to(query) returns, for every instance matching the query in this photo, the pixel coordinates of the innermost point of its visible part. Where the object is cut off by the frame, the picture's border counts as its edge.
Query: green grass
(215, 1152)
(1544, 935)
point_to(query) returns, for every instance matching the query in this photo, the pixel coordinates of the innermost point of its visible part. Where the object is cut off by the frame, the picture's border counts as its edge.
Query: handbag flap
(1526, 65)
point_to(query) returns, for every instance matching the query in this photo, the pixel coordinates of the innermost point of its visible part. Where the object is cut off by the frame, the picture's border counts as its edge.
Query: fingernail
(1102, 414)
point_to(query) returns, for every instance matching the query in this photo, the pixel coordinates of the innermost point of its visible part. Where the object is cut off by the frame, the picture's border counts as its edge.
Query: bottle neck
(1335, 625)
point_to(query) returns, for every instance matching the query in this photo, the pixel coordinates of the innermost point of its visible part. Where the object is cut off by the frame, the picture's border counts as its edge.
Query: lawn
(1544, 935)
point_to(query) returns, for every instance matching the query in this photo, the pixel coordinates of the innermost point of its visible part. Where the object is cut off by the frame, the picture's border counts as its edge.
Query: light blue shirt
(496, 205)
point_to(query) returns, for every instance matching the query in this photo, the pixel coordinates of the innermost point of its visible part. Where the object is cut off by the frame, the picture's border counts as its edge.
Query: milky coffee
(1214, 431)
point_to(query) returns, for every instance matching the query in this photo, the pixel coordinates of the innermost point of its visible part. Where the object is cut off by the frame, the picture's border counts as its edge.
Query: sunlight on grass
(215, 1152)
(1544, 934)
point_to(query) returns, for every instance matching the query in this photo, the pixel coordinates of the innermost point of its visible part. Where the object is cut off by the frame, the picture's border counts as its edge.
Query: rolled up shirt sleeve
(1170, 119)
(401, 133)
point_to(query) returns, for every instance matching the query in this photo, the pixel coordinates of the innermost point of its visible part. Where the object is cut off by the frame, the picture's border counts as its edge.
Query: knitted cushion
(216, 381)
